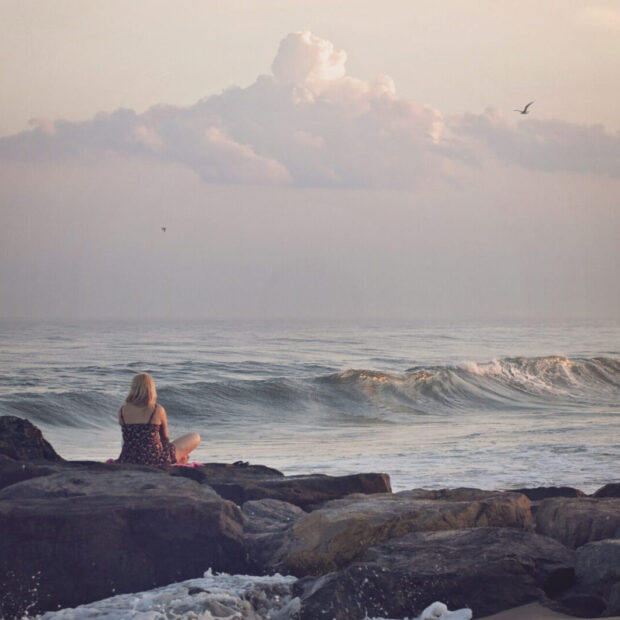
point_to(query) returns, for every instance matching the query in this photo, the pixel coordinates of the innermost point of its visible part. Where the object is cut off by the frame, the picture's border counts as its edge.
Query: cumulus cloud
(308, 123)
(149, 137)
(547, 145)
(46, 125)
(304, 58)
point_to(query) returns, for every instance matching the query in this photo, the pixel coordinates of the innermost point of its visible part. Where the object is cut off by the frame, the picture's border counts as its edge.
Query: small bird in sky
(163, 228)
(524, 111)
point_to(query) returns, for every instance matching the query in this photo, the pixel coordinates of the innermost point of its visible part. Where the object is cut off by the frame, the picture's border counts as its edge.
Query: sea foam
(218, 596)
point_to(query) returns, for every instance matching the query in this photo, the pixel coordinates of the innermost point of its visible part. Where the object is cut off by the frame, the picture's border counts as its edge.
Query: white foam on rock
(437, 611)
(212, 597)
(217, 597)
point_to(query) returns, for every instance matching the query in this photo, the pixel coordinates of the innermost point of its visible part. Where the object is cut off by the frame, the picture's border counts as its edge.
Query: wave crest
(353, 396)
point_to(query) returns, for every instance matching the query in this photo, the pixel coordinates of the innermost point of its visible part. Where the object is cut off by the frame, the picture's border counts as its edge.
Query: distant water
(489, 406)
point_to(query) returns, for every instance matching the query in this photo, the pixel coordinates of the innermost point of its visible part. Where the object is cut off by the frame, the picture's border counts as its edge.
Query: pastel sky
(347, 159)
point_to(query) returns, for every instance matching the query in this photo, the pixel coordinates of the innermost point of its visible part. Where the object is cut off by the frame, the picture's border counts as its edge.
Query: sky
(310, 159)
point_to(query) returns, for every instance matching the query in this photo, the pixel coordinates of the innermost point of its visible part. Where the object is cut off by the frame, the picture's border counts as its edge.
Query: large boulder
(12, 471)
(269, 516)
(20, 439)
(536, 494)
(608, 490)
(328, 538)
(264, 523)
(597, 564)
(485, 569)
(597, 581)
(81, 535)
(597, 569)
(577, 521)
(245, 483)
(613, 601)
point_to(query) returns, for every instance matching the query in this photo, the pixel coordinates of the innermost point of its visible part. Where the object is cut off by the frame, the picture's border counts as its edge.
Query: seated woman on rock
(145, 429)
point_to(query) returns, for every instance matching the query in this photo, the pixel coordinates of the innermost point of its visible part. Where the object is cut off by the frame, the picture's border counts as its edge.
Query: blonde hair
(142, 391)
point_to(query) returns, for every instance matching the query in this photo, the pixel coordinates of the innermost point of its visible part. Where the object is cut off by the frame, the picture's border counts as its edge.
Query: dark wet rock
(241, 484)
(613, 601)
(597, 571)
(222, 473)
(264, 522)
(537, 494)
(486, 569)
(577, 521)
(20, 439)
(328, 538)
(597, 564)
(609, 490)
(597, 581)
(13, 471)
(459, 494)
(580, 604)
(267, 516)
(80, 535)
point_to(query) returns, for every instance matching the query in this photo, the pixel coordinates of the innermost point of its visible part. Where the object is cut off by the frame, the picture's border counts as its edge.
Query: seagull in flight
(524, 111)
(163, 228)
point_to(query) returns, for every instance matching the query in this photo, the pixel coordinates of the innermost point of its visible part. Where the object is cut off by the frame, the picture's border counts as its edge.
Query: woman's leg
(184, 445)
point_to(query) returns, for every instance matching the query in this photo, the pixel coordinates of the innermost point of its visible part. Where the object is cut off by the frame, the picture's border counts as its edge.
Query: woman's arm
(163, 420)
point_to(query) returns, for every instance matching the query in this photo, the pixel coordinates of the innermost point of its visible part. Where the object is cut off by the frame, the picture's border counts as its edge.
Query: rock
(537, 494)
(580, 604)
(486, 569)
(613, 602)
(328, 538)
(252, 482)
(609, 490)
(597, 565)
(264, 521)
(577, 521)
(225, 473)
(20, 439)
(459, 494)
(597, 581)
(268, 516)
(12, 471)
(597, 571)
(80, 535)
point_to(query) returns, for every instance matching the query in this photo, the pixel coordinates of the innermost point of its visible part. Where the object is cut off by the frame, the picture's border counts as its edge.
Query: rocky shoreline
(74, 532)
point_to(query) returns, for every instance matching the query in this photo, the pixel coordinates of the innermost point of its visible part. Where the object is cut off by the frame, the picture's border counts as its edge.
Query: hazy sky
(310, 159)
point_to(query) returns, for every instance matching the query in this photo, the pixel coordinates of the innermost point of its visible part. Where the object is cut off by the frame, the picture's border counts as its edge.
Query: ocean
(434, 405)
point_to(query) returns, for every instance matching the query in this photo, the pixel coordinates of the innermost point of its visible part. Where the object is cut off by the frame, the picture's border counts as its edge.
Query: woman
(145, 429)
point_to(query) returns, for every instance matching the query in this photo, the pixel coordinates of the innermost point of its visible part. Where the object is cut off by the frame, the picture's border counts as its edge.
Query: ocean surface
(433, 405)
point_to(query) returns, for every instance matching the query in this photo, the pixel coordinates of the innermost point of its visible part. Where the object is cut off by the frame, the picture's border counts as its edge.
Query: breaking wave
(353, 396)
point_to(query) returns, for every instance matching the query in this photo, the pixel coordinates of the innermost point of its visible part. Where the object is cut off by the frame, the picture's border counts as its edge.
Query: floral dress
(143, 444)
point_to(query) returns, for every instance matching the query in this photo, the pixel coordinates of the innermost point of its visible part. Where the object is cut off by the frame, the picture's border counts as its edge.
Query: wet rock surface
(486, 569)
(20, 439)
(337, 533)
(265, 522)
(597, 571)
(577, 521)
(78, 536)
(537, 494)
(609, 490)
(77, 531)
